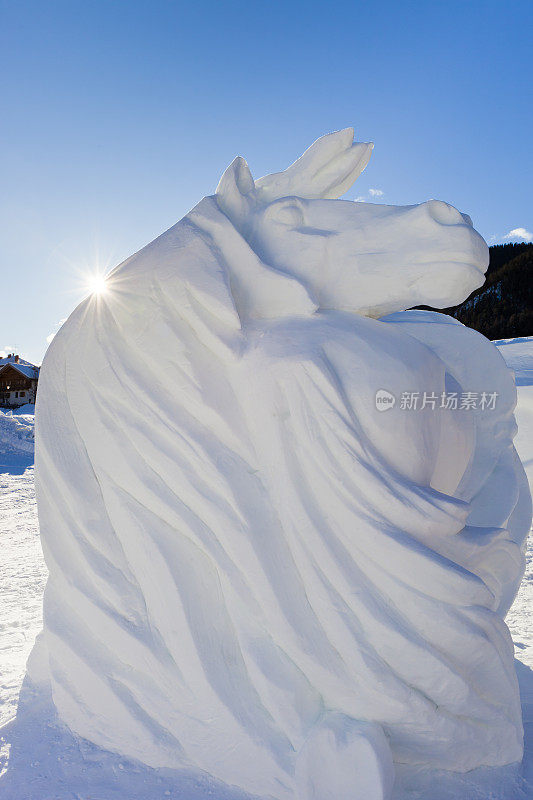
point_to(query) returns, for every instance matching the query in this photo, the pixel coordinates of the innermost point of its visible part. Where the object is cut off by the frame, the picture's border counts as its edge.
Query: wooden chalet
(18, 382)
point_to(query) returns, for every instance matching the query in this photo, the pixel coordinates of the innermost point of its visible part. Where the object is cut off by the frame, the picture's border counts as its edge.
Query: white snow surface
(16, 436)
(22, 577)
(261, 583)
(42, 761)
(518, 354)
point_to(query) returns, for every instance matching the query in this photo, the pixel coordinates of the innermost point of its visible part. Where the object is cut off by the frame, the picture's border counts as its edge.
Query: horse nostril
(444, 213)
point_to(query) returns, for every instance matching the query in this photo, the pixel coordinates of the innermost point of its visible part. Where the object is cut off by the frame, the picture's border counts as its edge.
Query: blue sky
(117, 117)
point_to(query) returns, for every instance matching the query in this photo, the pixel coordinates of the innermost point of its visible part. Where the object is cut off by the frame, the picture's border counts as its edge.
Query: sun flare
(97, 284)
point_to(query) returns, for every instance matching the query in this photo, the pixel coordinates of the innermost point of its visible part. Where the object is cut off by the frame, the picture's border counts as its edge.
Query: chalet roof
(12, 359)
(28, 370)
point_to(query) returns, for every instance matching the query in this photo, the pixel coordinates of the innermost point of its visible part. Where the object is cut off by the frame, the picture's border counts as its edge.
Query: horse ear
(235, 192)
(326, 170)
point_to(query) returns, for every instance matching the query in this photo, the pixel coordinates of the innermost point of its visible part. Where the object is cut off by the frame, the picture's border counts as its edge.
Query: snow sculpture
(255, 570)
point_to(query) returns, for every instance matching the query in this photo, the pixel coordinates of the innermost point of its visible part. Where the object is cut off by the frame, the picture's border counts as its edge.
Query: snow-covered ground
(16, 439)
(518, 354)
(22, 579)
(58, 767)
(22, 571)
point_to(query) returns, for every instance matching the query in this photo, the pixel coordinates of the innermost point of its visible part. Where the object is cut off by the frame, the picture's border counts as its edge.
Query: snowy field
(23, 573)
(518, 354)
(58, 767)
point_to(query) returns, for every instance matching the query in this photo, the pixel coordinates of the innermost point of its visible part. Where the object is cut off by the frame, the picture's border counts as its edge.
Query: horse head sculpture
(361, 257)
(254, 573)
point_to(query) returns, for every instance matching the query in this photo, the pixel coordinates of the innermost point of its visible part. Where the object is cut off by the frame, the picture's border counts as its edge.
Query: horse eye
(290, 215)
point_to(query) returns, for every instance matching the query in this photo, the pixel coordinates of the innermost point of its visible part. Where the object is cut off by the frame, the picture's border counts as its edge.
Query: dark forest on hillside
(503, 307)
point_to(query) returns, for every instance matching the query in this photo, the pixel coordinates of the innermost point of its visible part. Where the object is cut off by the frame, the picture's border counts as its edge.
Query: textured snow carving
(251, 566)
